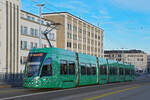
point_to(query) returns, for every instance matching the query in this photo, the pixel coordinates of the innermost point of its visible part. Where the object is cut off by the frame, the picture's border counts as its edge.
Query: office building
(135, 57)
(77, 35)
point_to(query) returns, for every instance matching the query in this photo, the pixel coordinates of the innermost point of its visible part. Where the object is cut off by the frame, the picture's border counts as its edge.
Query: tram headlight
(36, 80)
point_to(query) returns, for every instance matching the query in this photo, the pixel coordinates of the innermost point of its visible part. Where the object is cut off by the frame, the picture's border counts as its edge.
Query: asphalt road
(136, 90)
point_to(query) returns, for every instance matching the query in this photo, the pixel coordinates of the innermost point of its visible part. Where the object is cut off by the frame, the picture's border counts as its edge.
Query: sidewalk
(4, 84)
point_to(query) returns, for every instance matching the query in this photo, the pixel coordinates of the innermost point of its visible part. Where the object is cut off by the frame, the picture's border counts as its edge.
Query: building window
(74, 28)
(21, 29)
(99, 43)
(92, 34)
(29, 17)
(98, 37)
(36, 32)
(80, 30)
(84, 32)
(74, 36)
(23, 60)
(44, 46)
(89, 41)
(69, 44)
(35, 45)
(31, 45)
(52, 36)
(74, 45)
(88, 48)
(31, 31)
(84, 39)
(79, 38)
(95, 36)
(84, 47)
(92, 42)
(79, 46)
(89, 34)
(69, 35)
(69, 26)
(25, 30)
(23, 44)
(33, 19)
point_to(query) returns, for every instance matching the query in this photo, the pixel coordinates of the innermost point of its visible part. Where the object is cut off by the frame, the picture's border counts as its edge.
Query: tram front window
(34, 63)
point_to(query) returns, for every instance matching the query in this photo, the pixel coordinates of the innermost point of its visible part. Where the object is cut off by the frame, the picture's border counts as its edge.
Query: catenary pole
(40, 13)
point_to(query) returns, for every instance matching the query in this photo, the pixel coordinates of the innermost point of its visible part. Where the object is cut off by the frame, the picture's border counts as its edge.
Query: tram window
(93, 69)
(47, 68)
(127, 71)
(63, 67)
(101, 70)
(105, 70)
(132, 72)
(115, 71)
(111, 71)
(71, 68)
(88, 69)
(121, 71)
(83, 70)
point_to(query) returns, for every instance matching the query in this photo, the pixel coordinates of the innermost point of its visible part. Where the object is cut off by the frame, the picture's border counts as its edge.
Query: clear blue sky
(126, 22)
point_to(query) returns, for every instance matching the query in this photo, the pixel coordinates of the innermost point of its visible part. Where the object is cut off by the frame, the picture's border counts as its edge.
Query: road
(136, 90)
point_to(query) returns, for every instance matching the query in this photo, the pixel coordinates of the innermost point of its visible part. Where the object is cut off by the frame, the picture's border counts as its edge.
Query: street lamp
(122, 54)
(40, 13)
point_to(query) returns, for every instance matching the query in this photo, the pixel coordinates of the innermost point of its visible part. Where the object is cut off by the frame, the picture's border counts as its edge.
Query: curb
(5, 86)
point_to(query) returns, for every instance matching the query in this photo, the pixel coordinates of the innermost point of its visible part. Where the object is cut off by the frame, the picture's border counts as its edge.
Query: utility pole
(122, 55)
(40, 13)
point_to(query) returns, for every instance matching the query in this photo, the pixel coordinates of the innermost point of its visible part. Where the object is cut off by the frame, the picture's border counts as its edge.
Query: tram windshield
(34, 63)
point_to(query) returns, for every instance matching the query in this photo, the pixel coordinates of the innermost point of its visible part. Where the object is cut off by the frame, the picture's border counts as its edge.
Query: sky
(126, 23)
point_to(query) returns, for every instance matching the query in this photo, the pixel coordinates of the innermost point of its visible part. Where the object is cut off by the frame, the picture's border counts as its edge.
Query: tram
(59, 68)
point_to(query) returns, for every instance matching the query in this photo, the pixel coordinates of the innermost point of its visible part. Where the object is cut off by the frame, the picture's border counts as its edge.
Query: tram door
(46, 72)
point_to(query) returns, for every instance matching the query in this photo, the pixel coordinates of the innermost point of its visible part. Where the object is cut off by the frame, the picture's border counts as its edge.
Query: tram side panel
(103, 74)
(87, 69)
(67, 69)
(112, 68)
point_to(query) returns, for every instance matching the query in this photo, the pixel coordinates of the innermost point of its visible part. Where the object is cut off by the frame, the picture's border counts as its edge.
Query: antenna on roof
(98, 24)
(79, 15)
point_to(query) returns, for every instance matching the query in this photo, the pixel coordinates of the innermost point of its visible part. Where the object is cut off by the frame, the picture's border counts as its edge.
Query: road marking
(114, 92)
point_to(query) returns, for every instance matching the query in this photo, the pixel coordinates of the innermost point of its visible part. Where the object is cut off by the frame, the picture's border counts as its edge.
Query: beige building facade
(9, 36)
(19, 32)
(135, 57)
(148, 63)
(77, 35)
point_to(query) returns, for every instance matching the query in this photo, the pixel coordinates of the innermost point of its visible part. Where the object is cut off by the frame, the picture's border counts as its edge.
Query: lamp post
(40, 13)
(122, 57)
